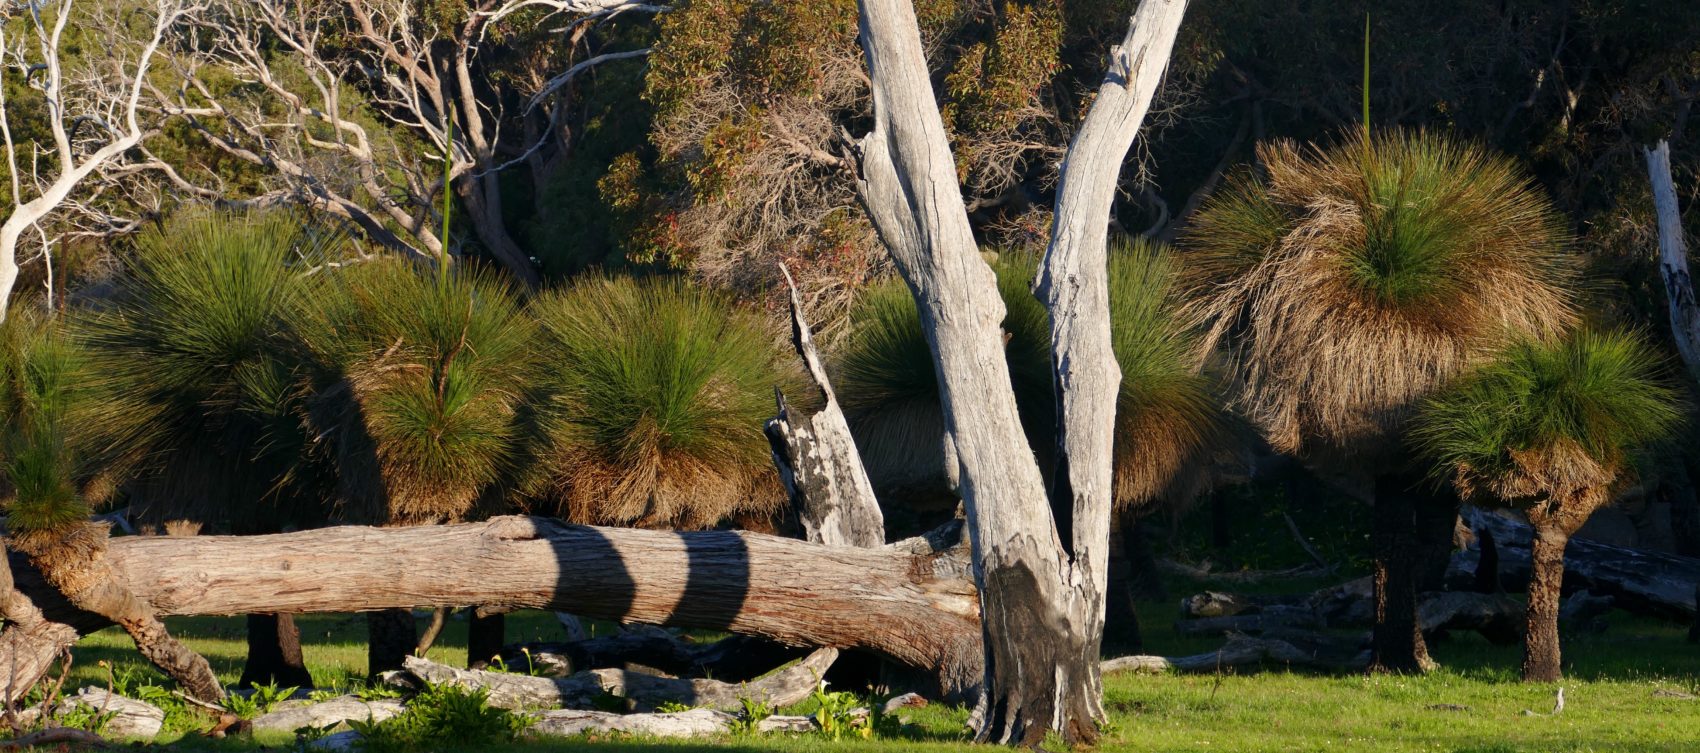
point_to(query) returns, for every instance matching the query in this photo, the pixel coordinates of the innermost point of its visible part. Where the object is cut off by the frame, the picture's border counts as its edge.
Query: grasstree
(1167, 407)
(418, 382)
(54, 465)
(1547, 428)
(652, 408)
(195, 337)
(1349, 282)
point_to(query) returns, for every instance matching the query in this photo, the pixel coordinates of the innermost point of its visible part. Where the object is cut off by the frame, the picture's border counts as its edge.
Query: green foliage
(425, 378)
(1166, 408)
(50, 430)
(835, 714)
(750, 715)
(197, 345)
(261, 701)
(1604, 393)
(442, 717)
(655, 403)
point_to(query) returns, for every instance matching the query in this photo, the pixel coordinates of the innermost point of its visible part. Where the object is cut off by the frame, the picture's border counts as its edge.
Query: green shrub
(656, 397)
(443, 717)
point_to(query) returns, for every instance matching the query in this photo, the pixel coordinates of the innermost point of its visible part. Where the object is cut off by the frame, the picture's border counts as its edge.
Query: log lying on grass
(1285, 650)
(1496, 617)
(692, 723)
(908, 601)
(1646, 582)
(646, 648)
(643, 691)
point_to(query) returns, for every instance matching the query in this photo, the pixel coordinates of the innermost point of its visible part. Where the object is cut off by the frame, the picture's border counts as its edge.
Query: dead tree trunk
(1673, 259)
(1041, 575)
(910, 601)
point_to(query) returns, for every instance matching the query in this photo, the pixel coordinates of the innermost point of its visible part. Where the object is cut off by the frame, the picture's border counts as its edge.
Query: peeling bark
(1673, 259)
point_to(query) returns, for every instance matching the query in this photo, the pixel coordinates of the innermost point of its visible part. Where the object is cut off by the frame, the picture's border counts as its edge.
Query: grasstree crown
(1547, 426)
(1352, 280)
(420, 386)
(1168, 415)
(654, 405)
(195, 344)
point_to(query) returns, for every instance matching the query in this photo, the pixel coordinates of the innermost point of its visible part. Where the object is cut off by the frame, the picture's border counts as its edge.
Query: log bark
(644, 691)
(910, 601)
(274, 653)
(692, 723)
(1541, 659)
(293, 715)
(1041, 574)
(1641, 581)
(1673, 259)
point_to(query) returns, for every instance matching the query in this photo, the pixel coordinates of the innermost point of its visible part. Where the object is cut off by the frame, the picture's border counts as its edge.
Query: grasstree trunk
(1541, 660)
(74, 561)
(1397, 644)
(486, 634)
(1041, 579)
(274, 653)
(390, 637)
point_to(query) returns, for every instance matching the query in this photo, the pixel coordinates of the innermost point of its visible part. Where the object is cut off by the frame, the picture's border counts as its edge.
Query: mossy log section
(911, 601)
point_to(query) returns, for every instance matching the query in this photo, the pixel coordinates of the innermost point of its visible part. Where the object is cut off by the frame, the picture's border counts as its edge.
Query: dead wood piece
(1204, 571)
(1222, 604)
(644, 691)
(1675, 695)
(1642, 581)
(1268, 618)
(1498, 618)
(54, 736)
(293, 715)
(1244, 651)
(1583, 607)
(692, 723)
(130, 719)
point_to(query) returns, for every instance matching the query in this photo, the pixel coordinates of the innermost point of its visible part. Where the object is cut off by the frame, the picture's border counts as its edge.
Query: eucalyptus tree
(1349, 282)
(1547, 428)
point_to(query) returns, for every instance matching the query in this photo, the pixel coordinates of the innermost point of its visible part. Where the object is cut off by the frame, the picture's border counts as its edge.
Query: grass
(1609, 694)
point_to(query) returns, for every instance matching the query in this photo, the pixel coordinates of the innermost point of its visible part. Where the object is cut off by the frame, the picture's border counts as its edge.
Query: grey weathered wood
(293, 715)
(1239, 651)
(907, 601)
(1673, 259)
(817, 457)
(1268, 618)
(644, 691)
(692, 723)
(1638, 580)
(1043, 602)
(131, 719)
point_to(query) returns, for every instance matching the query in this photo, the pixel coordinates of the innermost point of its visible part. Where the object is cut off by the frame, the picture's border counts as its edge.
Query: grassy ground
(1611, 704)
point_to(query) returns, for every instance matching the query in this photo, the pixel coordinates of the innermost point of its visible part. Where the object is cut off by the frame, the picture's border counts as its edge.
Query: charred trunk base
(1042, 667)
(1396, 642)
(391, 636)
(274, 653)
(1541, 656)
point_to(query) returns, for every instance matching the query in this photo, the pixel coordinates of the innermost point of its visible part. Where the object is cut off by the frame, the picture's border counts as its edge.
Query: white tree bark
(1042, 603)
(1673, 259)
(118, 120)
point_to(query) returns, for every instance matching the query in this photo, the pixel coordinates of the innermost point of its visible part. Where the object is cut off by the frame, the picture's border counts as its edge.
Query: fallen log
(1638, 580)
(692, 723)
(1292, 650)
(644, 692)
(293, 715)
(909, 601)
(734, 659)
(1498, 618)
(1265, 619)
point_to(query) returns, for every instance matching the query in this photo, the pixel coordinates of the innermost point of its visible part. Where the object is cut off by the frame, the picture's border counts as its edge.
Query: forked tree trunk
(1396, 643)
(274, 653)
(1041, 578)
(910, 601)
(1541, 660)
